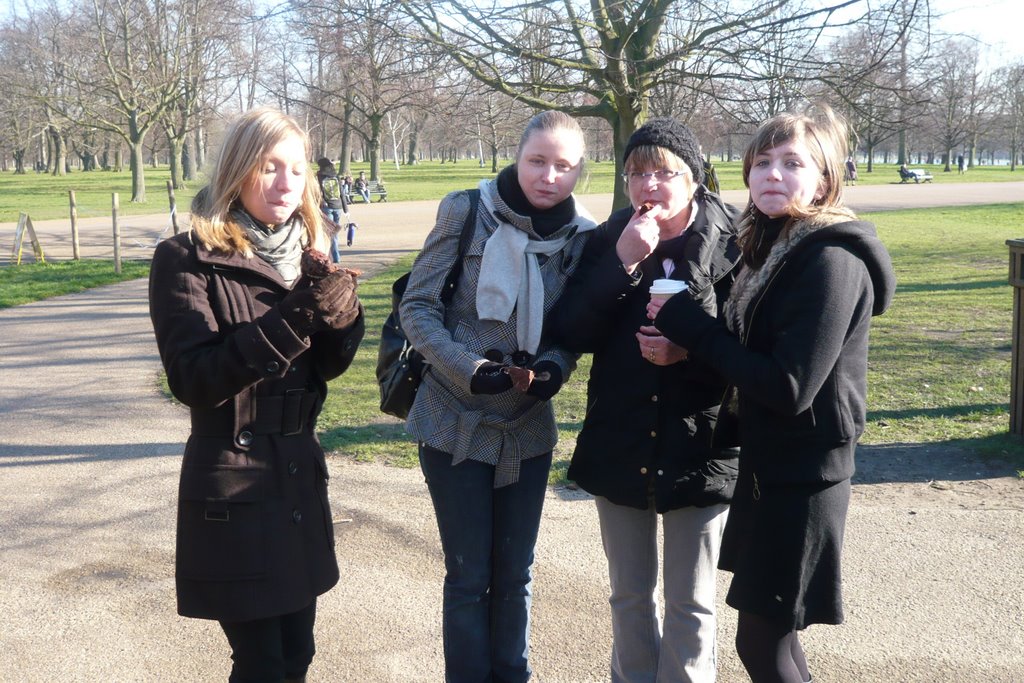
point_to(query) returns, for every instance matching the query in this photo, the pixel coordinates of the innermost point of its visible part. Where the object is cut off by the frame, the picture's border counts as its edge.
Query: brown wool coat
(255, 537)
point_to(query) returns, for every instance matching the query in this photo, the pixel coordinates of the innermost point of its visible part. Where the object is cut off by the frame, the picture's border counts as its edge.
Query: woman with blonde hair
(793, 345)
(249, 343)
(483, 414)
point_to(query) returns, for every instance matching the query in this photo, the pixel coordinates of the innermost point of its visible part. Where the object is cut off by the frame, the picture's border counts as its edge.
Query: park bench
(374, 187)
(918, 175)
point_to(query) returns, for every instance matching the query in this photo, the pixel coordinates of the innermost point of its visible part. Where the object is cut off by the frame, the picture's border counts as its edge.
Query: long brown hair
(247, 142)
(825, 137)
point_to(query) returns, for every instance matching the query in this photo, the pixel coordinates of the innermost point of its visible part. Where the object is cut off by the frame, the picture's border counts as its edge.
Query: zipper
(756, 493)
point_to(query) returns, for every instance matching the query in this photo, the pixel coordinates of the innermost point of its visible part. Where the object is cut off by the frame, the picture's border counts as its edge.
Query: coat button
(654, 434)
(654, 399)
(661, 473)
(293, 368)
(643, 470)
(245, 437)
(296, 516)
(292, 467)
(273, 366)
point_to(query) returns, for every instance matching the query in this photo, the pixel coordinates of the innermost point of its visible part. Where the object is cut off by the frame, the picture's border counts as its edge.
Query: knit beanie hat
(673, 136)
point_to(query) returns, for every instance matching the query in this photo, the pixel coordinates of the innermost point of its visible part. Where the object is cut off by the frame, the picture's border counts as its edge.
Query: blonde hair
(552, 121)
(248, 141)
(825, 136)
(643, 157)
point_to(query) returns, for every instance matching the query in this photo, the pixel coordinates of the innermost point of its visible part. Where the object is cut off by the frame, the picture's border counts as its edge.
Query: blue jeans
(488, 536)
(334, 215)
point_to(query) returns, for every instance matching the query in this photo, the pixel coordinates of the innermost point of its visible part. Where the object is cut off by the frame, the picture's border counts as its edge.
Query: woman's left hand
(657, 349)
(653, 306)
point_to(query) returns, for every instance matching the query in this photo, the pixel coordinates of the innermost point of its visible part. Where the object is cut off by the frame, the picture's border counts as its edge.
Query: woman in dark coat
(249, 343)
(793, 344)
(645, 448)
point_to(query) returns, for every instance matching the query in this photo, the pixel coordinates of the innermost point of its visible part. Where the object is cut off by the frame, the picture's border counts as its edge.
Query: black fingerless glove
(546, 389)
(490, 378)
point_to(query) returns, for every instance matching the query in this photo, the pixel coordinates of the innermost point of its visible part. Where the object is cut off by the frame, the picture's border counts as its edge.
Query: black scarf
(545, 221)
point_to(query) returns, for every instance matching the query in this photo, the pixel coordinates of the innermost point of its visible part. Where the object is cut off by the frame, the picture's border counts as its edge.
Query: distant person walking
(249, 344)
(334, 204)
(850, 174)
(960, 164)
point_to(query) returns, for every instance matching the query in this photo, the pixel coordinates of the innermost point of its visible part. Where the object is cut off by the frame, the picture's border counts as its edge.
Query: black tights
(770, 652)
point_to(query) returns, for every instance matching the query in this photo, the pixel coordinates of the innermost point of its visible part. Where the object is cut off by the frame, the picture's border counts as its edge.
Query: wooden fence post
(174, 206)
(74, 225)
(117, 234)
(1017, 349)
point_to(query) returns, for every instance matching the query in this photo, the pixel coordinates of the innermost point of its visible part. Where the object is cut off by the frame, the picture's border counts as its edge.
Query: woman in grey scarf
(249, 343)
(482, 414)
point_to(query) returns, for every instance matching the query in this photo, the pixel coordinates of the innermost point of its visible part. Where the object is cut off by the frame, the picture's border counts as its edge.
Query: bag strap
(468, 228)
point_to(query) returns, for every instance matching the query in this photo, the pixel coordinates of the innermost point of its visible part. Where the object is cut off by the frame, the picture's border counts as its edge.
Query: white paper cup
(664, 288)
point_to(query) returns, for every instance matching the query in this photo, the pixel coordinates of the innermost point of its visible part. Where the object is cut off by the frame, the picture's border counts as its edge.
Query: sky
(995, 23)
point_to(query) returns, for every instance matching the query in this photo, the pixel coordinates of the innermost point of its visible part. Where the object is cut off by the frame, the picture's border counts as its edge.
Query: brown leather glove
(315, 305)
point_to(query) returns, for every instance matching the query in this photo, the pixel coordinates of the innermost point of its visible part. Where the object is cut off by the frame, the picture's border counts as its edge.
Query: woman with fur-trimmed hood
(793, 346)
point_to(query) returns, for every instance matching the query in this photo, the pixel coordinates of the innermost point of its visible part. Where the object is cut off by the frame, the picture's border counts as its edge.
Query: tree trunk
(188, 162)
(19, 162)
(137, 164)
(176, 146)
(136, 141)
(59, 151)
(375, 120)
(200, 148)
(414, 141)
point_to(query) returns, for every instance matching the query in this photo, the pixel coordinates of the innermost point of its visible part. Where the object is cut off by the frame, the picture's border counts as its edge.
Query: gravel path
(89, 458)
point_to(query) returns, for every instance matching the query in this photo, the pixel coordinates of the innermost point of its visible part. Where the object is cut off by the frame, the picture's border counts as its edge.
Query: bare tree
(956, 77)
(604, 60)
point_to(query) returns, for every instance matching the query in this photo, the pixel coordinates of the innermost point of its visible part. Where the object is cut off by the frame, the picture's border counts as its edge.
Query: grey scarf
(510, 277)
(280, 247)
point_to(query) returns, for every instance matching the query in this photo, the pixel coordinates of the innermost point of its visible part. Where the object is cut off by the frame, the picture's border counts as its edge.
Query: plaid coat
(501, 429)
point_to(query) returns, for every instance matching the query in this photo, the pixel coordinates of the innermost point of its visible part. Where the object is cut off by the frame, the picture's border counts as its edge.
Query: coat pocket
(221, 527)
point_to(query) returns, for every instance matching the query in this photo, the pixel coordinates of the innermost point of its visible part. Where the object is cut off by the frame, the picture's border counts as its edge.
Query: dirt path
(89, 460)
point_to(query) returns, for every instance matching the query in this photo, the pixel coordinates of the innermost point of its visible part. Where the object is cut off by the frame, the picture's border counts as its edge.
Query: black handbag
(399, 366)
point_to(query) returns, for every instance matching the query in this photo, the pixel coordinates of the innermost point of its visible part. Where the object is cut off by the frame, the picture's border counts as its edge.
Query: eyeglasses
(662, 176)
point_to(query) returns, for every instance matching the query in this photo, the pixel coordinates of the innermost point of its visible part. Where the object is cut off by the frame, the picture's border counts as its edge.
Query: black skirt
(784, 550)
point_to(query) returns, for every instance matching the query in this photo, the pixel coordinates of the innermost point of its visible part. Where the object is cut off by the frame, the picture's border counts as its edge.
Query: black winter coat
(647, 426)
(800, 368)
(255, 537)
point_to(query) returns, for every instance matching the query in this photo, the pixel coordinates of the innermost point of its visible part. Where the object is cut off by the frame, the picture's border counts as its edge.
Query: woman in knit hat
(645, 447)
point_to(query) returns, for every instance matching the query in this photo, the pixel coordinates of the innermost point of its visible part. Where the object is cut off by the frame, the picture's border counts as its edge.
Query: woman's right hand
(329, 302)
(638, 239)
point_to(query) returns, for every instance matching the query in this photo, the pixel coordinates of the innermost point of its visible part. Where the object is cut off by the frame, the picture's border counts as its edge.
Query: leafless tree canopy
(396, 81)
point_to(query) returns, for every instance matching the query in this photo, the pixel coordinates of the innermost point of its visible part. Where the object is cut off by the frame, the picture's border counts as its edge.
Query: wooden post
(117, 234)
(74, 225)
(1017, 352)
(174, 209)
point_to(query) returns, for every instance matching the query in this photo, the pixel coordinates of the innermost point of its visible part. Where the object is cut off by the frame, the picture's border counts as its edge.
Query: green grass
(940, 358)
(34, 281)
(46, 197)
(939, 364)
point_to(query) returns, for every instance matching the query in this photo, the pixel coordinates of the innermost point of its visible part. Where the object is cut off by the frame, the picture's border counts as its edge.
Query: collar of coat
(219, 260)
(750, 282)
